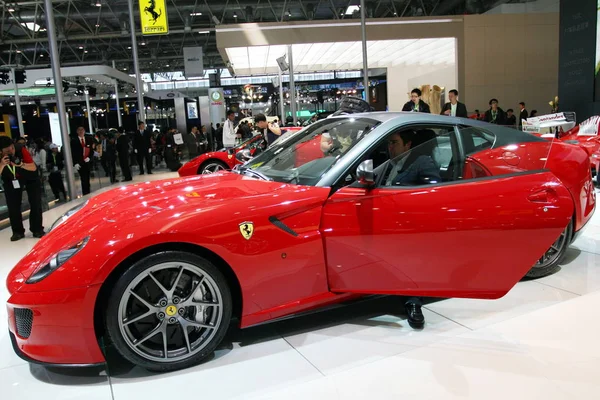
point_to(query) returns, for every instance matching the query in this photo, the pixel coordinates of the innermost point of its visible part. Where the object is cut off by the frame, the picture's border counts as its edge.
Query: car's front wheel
(169, 311)
(212, 166)
(549, 262)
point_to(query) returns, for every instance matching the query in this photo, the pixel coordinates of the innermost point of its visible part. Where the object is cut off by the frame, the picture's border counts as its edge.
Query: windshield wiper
(255, 174)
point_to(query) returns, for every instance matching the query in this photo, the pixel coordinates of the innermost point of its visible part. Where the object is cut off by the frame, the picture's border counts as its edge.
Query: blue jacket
(423, 170)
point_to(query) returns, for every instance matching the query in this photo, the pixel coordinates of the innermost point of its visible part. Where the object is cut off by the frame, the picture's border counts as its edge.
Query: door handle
(545, 195)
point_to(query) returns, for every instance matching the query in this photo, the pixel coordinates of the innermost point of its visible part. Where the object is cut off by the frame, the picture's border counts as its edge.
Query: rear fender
(571, 164)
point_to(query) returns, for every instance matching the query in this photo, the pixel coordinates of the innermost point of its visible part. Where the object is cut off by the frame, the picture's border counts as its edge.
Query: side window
(474, 140)
(417, 156)
(425, 155)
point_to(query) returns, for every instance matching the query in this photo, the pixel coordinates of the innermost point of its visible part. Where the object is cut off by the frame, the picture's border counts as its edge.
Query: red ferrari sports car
(393, 203)
(209, 163)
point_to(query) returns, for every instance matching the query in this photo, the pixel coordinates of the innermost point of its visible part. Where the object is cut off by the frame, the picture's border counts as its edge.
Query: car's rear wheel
(212, 166)
(551, 259)
(169, 311)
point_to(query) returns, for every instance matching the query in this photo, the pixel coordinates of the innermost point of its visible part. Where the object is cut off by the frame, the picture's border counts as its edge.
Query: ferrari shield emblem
(171, 310)
(247, 229)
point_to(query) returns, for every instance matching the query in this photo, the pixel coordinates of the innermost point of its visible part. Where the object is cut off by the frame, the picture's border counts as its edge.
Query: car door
(464, 238)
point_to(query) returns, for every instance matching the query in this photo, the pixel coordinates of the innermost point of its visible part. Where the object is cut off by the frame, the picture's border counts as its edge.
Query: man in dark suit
(82, 150)
(409, 166)
(110, 154)
(123, 153)
(142, 147)
(55, 164)
(495, 115)
(454, 108)
(523, 114)
(102, 150)
(511, 118)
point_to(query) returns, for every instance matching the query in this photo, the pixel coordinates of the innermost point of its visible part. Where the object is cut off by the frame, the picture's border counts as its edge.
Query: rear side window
(475, 140)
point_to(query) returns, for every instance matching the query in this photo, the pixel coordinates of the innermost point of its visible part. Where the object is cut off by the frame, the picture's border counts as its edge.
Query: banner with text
(153, 17)
(192, 62)
(216, 105)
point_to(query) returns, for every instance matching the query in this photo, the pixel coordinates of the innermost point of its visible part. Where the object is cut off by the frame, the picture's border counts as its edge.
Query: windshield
(305, 156)
(250, 143)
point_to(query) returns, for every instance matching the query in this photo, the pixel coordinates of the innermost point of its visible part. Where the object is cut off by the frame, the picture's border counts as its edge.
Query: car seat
(423, 144)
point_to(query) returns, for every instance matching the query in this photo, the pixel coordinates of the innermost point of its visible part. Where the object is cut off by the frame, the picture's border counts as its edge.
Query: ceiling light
(97, 25)
(195, 14)
(85, 52)
(11, 9)
(80, 47)
(351, 9)
(203, 32)
(234, 15)
(143, 43)
(167, 65)
(18, 51)
(98, 3)
(124, 69)
(128, 47)
(41, 56)
(32, 26)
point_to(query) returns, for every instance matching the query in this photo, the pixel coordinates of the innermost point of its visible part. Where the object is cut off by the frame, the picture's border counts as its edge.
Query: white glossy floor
(538, 342)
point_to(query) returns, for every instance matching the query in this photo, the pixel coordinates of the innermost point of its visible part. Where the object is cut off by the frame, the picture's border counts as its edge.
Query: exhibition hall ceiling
(97, 31)
(311, 57)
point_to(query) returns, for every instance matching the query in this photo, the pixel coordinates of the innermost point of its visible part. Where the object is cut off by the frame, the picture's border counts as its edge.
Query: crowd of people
(27, 166)
(494, 115)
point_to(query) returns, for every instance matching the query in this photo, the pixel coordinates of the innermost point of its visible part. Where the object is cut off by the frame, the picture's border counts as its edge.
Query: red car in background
(562, 126)
(225, 160)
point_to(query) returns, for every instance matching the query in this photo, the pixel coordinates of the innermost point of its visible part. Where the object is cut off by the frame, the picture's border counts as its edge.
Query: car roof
(412, 117)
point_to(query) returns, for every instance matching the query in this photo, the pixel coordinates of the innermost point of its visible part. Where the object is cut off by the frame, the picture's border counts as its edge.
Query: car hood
(179, 193)
(159, 207)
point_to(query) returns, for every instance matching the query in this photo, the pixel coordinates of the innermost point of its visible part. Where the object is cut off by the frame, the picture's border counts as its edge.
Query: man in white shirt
(229, 130)
(454, 108)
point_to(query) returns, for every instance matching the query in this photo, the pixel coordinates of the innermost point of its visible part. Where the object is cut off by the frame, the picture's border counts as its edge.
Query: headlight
(69, 213)
(56, 261)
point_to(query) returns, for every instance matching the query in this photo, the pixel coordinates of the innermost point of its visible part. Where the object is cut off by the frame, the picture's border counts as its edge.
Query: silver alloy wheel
(212, 168)
(170, 312)
(554, 251)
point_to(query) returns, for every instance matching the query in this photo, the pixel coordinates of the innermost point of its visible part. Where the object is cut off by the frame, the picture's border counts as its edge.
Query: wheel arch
(210, 161)
(108, 284)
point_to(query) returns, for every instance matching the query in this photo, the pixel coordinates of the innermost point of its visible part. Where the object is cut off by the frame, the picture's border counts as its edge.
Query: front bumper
(59, 328)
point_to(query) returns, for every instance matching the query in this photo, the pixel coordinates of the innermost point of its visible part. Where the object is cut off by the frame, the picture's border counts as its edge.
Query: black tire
(140, 271)
(206, 165)
(549, 263)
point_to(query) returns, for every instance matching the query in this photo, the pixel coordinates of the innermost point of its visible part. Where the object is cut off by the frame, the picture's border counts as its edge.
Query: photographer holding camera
(19, 172)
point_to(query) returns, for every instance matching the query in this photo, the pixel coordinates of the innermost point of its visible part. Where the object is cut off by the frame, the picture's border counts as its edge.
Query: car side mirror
(243, 155)
(364, 173)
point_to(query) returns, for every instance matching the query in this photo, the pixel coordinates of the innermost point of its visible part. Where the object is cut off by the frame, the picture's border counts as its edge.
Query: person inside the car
(336, 140)
(417, 167)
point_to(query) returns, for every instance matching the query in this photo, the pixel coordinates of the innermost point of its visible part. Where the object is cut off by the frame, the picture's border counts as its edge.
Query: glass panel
(304, 157)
